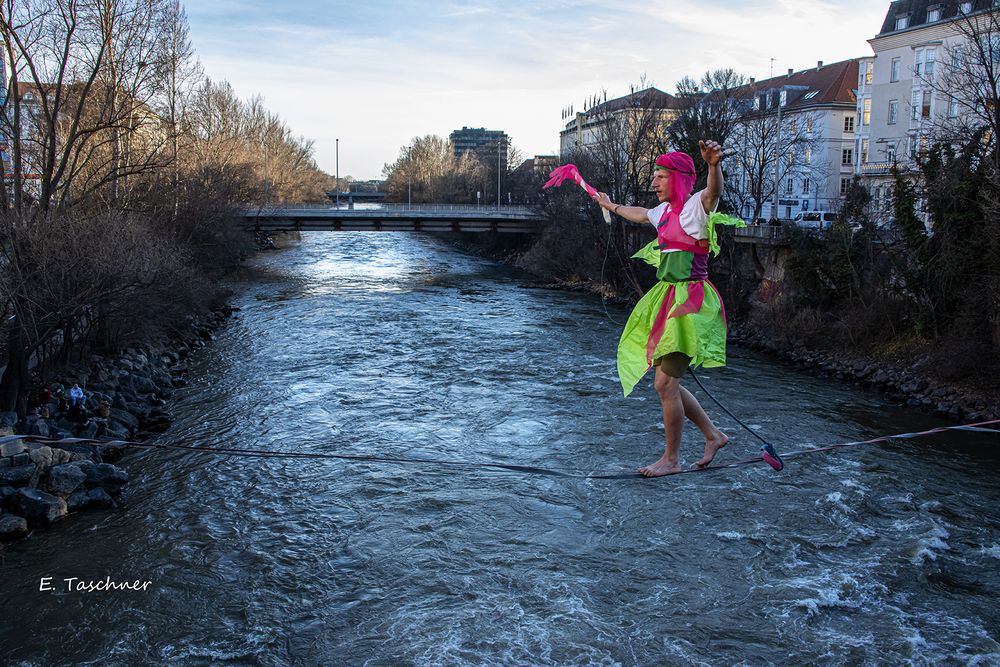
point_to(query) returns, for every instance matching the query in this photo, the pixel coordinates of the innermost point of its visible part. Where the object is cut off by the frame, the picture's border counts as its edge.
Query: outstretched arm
(636, 214)
(712, 153)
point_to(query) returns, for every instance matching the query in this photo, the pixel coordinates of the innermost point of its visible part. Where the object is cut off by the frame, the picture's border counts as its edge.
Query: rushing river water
(398, 345)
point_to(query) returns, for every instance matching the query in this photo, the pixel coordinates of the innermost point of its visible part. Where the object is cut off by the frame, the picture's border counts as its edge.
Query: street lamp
(338, 173)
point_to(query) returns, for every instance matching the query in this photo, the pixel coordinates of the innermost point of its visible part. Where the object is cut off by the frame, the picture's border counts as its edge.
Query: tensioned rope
(979, 427)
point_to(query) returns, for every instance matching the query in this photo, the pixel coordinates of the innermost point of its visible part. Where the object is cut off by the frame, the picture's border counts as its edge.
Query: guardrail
(401, 209)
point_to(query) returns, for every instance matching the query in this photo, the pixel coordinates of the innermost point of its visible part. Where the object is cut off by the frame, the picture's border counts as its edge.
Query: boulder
(17, 475)
(8, 419)
(12, 448)
(6, 493)
(143, 385)
(124, 417)
(12, 527)
(38, 507)
(90, 499)
(63, 479)
(41, 456)
(108, 477)
(41, 427)
(87, 430)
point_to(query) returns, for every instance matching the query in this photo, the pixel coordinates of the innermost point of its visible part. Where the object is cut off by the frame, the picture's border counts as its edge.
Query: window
(848, 123)
(869, 67)
(929, 59)
(894, 70)
(965, 8)
(933, 15)
(890, 154)
(809, 124)
(809, 155)
(902, 22)
(792, 159)
(788, 186)
(958, 57)
(864, 151)
(925, 105)
(783, 100)
(793, 126)
(952, 107)
(811, 94)
(847, 156)
(923, 145)
(844, 182)
(913, 146)
(915, 104)
(893, 111)
(866, 117)
(805, 186)
(918, 62)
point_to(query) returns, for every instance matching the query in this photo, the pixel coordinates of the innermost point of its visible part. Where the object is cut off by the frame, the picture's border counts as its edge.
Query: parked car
(815, 219)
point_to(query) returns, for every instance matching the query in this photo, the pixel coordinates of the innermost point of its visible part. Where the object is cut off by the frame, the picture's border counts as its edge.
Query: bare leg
(668, 389)
(714, 438)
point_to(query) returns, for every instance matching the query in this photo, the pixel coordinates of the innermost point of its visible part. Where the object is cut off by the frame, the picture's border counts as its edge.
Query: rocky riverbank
(125, 399)
(958, 404)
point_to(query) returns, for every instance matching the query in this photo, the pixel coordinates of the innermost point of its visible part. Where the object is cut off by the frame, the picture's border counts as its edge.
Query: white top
(694, 220)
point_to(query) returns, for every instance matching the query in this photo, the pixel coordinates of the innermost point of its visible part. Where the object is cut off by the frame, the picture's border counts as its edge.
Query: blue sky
(377, 74)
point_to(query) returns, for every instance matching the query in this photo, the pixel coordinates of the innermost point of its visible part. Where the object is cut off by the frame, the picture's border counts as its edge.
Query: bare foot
(712, 447)
(662, 467)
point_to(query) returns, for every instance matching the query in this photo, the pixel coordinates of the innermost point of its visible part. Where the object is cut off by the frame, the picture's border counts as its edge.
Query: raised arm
(711, 153)
(636, 214)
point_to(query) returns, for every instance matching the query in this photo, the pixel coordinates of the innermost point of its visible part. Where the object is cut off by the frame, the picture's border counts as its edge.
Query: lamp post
(499, 146)
(338, 173)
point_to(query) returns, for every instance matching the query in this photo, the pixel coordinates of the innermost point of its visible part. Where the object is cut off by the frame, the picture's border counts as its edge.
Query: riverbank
(125, 398)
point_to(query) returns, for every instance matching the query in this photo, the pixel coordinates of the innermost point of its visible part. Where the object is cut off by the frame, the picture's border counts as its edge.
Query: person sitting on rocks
(76, 396)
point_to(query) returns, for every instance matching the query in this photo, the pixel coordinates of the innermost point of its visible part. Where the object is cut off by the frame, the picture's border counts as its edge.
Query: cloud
(377, 74)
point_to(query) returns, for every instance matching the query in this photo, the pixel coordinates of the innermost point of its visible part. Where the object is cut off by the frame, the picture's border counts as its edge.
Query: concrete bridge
(432, 218)
(395, 218)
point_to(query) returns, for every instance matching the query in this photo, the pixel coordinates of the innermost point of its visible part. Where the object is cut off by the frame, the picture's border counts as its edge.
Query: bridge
(394, 218)
(432, 218)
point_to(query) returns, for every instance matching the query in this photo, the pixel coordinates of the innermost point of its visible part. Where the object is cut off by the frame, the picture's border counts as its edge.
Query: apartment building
(904, 92)
(587, 128)
(793, 147)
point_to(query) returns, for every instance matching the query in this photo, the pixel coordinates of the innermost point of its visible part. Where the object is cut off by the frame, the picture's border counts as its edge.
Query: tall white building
(903, 90)
(793, 148)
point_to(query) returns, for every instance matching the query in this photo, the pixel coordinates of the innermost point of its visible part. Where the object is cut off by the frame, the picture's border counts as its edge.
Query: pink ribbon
(568, 172)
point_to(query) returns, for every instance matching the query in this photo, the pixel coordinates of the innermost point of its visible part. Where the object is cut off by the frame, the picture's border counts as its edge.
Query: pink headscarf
(684, 176)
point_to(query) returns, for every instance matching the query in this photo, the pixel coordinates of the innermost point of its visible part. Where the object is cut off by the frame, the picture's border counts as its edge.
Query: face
(662, 182)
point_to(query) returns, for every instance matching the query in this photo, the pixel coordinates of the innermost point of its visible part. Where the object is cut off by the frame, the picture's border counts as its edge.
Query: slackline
(979, 427)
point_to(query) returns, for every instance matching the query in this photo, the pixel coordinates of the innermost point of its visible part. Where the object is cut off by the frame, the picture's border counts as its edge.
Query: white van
(815, 219)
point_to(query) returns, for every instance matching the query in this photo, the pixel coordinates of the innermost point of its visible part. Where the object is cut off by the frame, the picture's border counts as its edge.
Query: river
(399, 345)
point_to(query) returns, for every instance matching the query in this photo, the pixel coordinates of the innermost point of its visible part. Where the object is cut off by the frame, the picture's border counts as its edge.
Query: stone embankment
(900, 385)
(126, 399)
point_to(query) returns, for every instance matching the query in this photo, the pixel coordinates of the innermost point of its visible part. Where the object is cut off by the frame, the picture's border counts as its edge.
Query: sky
(377, 74)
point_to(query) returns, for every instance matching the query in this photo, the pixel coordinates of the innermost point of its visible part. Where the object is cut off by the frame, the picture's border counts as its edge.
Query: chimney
(819, 64)
(790, 70)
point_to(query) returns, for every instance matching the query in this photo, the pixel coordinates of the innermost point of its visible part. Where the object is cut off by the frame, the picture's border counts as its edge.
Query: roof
(648, 98)
(826, 84)
(916, 12)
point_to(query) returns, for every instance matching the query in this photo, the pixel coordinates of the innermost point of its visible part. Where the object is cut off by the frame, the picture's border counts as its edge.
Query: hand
(711, 152)
(604, 201)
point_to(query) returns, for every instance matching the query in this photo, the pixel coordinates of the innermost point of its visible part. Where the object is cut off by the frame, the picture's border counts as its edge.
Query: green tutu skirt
(660, 324)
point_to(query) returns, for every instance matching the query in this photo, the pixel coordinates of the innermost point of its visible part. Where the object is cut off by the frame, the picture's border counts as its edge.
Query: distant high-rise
(482, 142)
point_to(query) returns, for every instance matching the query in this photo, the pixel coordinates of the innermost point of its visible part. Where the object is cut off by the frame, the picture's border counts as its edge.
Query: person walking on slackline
(681, 321)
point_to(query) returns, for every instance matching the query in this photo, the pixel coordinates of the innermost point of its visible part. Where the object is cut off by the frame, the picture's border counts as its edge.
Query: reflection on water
(395, 345)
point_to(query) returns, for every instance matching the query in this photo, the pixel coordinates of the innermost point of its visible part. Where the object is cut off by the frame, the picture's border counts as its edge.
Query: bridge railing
(390, 208)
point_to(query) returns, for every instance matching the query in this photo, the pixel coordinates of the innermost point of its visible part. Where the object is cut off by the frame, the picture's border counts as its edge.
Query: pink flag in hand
(568, 172)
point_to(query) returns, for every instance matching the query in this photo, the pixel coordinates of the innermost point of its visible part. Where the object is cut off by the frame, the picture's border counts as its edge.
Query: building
(904, 91)
(585, 129)
(489, 145)
(793, 145)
